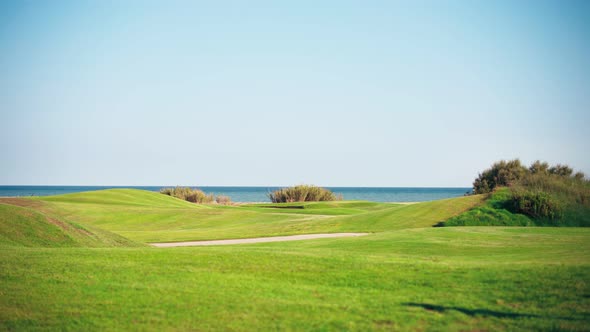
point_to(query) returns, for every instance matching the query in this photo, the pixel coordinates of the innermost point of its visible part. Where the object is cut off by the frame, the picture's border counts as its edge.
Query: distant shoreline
(260, 194)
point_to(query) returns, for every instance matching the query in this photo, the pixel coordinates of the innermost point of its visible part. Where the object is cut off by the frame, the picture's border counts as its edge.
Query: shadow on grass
(471, 312)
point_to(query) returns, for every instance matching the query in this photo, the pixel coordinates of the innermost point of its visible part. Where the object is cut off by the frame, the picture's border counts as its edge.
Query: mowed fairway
(407, 275)
(151, 217)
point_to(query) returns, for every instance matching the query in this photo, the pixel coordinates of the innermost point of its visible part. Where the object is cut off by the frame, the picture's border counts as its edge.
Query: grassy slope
(492, 212)
(153, 217)
(28, 227)
(406, 276)
(121, 197)
(20, 226)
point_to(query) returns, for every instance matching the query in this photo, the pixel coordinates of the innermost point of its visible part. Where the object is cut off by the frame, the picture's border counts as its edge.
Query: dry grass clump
(571, 188)
(223, 200)
(302, 193)
(188, 194)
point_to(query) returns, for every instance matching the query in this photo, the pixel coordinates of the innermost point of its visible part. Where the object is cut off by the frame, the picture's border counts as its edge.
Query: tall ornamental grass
(188, 194)
(302, 193)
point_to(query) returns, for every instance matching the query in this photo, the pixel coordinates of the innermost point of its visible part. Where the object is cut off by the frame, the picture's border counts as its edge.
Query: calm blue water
(259, 194)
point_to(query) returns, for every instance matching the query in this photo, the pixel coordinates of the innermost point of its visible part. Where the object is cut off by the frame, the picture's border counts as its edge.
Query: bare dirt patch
(40, 207)
(23, 202)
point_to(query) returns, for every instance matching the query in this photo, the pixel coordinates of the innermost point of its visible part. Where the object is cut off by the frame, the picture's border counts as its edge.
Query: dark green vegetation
(302, 193)
(501, 174)
(494, 212)
(407, 275)
(539, 195)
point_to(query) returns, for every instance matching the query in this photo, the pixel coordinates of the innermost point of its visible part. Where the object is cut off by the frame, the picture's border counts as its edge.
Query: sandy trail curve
(255, 240)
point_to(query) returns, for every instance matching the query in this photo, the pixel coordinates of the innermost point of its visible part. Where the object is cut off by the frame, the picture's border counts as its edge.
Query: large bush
(302, 193)
(502, 173)
(561, 170)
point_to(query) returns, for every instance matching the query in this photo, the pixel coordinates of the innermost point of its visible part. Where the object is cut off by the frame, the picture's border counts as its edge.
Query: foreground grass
(433, 279)
(407, 275)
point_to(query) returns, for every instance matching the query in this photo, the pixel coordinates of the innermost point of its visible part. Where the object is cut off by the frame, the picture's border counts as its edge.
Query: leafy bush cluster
(195, 195)
(502, 173)
(302, 193)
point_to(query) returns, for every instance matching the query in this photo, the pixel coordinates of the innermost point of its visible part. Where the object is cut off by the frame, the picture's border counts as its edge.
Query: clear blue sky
(333, 93)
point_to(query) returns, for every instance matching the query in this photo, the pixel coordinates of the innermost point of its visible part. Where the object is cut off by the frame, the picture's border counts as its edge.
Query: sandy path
(255, 240)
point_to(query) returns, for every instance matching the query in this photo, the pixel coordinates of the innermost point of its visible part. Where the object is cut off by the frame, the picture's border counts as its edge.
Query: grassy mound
(127, 197)
(493, 212)
(25, 227)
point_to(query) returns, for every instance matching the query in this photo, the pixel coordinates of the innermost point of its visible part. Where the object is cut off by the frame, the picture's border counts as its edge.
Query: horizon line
(218, 186)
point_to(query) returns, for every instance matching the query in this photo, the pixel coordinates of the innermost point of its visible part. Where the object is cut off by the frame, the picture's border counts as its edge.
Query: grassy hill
(125, 197)
(406, 276)
(29, 227)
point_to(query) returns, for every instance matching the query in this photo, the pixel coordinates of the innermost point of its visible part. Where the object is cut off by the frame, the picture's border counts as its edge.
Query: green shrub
(188, 194)
(539, 167)
(302, 193)
(536, 204)
(561, 170)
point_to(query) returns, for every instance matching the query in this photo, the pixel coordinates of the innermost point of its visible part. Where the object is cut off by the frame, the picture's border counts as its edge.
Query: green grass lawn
(406, 276)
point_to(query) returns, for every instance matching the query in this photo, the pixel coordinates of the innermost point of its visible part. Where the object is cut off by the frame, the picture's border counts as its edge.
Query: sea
(260, 194)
